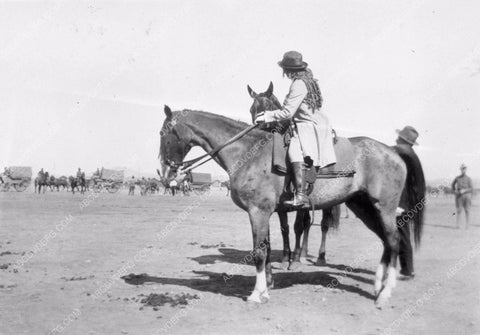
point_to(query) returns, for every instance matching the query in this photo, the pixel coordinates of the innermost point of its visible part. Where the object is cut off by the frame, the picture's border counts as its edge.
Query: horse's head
(175, 143)
(262, 102)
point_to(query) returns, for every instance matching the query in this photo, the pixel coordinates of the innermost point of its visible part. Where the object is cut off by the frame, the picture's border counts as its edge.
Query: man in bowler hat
(405, 141)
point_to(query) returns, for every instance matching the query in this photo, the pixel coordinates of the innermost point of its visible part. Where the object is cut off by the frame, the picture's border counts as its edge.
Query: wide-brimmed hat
(292, 60)
(409, 134)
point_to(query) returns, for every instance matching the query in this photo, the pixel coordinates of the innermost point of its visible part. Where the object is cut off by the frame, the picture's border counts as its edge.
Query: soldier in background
(462, 188)
(79, 174)
(131, 186)
(96, 176)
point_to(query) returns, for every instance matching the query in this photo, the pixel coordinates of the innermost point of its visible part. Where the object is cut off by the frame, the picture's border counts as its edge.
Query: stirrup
(300, 200)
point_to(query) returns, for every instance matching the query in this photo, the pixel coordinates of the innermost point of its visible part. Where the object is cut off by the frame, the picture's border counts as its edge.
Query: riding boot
(300, 199)
(287, 194)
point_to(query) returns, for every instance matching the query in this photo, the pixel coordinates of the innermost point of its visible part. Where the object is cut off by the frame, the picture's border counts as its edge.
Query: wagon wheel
(198, 190)
(20, 187)
(97, 188)
(113, 188)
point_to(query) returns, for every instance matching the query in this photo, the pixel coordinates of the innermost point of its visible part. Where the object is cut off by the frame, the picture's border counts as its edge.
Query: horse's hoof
(303, 260)
(321, 261)
(284, 265)
(295, 265)
(381, 302)
(382, 299)
(258, 298)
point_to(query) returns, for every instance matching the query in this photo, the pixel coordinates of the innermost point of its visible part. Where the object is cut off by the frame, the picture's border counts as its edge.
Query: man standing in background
(131, 186)
(407, 138)
(462, 188)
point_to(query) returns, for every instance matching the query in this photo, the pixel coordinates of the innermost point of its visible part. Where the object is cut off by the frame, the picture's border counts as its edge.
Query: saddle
(343, 168)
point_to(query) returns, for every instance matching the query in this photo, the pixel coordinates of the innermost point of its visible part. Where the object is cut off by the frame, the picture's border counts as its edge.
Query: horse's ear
(251, 92)
(269, 91)
(168, 112)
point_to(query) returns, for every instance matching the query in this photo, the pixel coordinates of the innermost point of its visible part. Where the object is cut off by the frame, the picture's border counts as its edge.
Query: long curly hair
(314, 97)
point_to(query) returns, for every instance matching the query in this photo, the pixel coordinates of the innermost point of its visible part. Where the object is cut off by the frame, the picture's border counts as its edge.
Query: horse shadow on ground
(346, 268)
(233, 256)
(441, 226)
(240, 286)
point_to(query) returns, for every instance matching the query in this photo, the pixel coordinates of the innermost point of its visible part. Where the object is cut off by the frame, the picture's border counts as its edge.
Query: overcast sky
(83, 84)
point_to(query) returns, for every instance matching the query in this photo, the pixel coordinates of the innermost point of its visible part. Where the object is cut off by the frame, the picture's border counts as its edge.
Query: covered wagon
(18, 177)
(200, 182)
(110, 180)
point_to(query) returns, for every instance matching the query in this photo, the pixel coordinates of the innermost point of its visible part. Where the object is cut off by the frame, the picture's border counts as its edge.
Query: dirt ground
(185, 268)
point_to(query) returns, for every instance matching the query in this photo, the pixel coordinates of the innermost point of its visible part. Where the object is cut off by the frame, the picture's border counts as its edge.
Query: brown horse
(373, 193)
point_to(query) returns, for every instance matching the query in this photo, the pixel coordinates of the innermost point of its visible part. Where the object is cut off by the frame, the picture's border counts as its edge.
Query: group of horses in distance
(373, 193)
(44, 181)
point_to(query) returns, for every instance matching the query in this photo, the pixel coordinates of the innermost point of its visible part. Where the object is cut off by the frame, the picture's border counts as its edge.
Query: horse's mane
(219, 116)
(234, 125)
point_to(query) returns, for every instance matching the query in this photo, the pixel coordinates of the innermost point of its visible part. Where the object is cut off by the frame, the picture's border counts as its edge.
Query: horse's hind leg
(300, 225)
(331, 218)
(381, 220)
(286, 239)
(327, 216)
(389, 257)
(306, 231)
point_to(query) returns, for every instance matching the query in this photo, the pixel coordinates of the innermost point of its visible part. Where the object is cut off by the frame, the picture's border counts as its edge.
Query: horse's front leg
(286, 239)
(259, 220)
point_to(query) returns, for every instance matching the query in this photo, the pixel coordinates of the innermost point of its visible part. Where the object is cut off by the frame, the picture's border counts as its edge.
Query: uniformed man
(462, 188)
(131, 186)
(79, 174)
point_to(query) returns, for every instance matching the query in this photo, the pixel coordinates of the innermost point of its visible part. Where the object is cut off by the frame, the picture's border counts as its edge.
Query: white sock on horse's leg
(260, 291)
(386, 293)
(379, 275)
(392, 277)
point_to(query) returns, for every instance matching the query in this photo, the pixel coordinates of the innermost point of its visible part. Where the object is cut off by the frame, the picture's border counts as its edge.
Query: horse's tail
(413, 197)
(330, 218)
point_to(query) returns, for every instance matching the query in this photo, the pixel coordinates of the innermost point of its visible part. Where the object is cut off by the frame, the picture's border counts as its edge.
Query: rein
(187, 165)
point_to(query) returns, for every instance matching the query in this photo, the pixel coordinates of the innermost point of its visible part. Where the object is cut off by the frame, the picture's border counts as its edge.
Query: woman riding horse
(311, 143)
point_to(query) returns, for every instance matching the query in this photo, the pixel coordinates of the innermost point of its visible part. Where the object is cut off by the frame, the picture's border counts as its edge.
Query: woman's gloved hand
(260, 118)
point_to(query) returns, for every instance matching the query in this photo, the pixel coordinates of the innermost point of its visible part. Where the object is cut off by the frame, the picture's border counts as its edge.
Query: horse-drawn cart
(201, 182)
(18, 177)
(110, 180)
